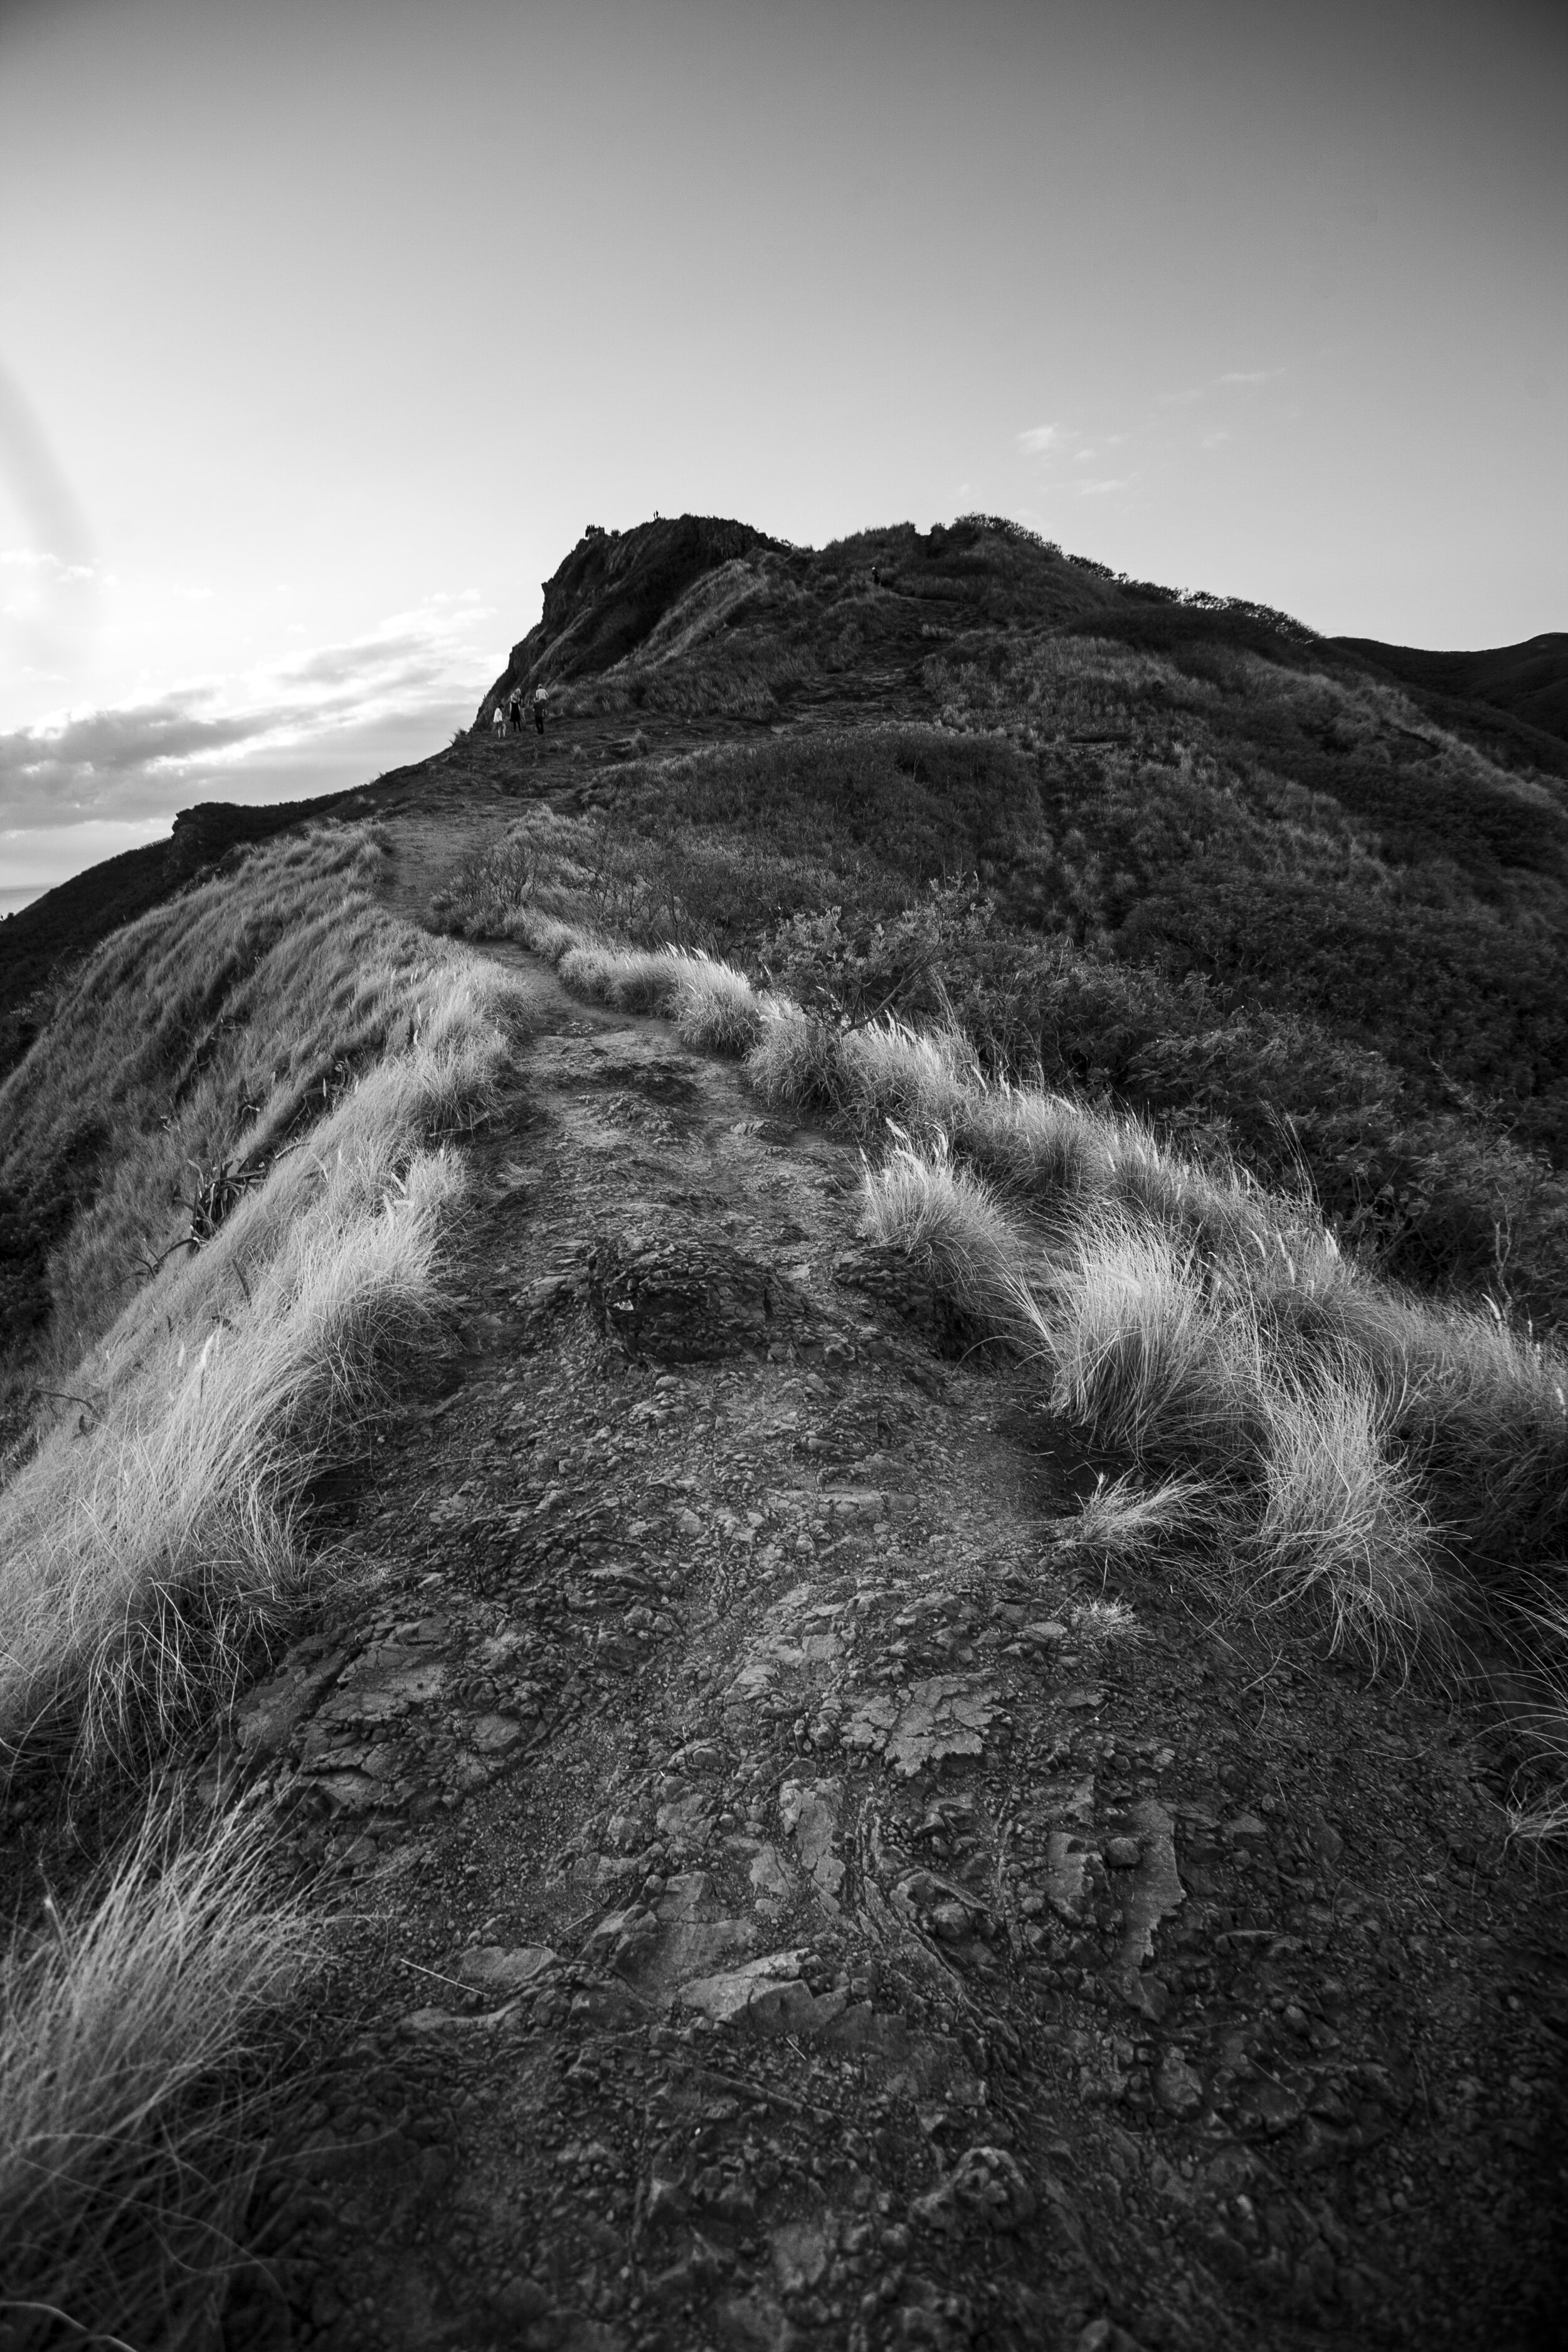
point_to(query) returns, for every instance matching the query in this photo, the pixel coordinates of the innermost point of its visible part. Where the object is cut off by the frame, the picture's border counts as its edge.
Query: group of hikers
(507, 717)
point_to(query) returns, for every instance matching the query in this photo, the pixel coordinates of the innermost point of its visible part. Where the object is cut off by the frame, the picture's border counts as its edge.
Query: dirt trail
(786, 1907)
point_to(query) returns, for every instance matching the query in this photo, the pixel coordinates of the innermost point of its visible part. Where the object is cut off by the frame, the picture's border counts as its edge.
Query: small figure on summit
(540, 697)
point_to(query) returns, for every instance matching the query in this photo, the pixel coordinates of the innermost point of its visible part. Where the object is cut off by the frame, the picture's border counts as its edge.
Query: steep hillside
(43, 940)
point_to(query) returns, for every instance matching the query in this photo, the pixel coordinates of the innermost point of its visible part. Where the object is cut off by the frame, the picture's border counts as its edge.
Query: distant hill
(1528, 680)
(1528, 683)
(71, 918)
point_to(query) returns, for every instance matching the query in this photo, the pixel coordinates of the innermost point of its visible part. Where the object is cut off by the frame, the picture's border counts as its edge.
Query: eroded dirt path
(784, 1909)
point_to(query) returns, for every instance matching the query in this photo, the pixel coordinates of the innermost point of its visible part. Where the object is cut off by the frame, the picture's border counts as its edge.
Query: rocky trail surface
(783, 1903)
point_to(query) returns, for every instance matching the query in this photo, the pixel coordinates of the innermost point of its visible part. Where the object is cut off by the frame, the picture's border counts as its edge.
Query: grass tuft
(795, 1064)
(632, 979)
(128, 2140)
(1143, 1354)
(1342, 1523)
(715, 1008)
(1126, 1520)
(951, 1222)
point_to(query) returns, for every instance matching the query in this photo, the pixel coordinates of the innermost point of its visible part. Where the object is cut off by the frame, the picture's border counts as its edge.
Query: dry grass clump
(716, 1009)
(632, 980)
(1142, 1352)
(548, 935)
(1105, 1622)
(917, 1079)
(141, 1549)
(1342, 1521)
(128, 2126)
(1126, 1520)
(1042, 1145)
(950, 1220)
(1398, 1466)
(141, 1560)
(795, 1064)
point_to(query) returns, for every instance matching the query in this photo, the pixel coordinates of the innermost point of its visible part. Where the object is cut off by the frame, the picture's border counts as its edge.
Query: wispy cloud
(287, 727)
(1042, 440)
(1233, 380)
(1053, 445)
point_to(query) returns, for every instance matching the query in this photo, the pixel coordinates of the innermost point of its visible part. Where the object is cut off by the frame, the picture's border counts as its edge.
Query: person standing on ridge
(540, 697)
(514, 710)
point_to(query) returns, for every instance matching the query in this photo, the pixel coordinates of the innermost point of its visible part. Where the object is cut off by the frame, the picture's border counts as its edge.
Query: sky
(326, 326)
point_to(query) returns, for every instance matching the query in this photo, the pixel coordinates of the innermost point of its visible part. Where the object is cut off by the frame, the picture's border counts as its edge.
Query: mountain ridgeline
(1304, 898)
(1299, 900)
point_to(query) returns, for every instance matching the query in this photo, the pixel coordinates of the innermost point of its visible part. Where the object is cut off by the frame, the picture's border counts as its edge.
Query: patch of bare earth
(778, 1912)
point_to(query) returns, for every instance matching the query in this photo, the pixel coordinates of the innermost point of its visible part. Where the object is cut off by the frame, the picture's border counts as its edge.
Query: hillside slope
(55, 930)
(1528, 681)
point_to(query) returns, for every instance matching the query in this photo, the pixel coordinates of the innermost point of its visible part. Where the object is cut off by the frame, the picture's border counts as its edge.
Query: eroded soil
(781, 1905)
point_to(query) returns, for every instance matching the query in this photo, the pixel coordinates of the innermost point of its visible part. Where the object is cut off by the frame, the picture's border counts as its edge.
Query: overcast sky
(327, 325)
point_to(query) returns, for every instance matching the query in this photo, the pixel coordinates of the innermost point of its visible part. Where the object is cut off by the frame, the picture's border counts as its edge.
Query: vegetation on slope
(1398, 1464)
(1351, 1036)
(42, 942)
(301, 1054)
(130, 2023)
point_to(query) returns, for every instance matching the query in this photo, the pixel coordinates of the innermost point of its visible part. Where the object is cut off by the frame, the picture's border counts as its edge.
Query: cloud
(1040, 440)
(1098, 488)
(1234, 379)
(311, 722)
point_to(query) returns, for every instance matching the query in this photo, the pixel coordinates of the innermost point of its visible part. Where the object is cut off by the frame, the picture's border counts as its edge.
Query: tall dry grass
(132, 2103)
(714, 1007)
(142, 1549)
(207, 1032)
(1398, 1466)
(947, 1218)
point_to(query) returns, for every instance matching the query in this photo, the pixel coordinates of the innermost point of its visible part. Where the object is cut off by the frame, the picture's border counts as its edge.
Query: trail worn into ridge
(785, 1907)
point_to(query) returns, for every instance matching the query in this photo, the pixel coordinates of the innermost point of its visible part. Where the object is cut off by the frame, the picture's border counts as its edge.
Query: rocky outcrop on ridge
(613, 590)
